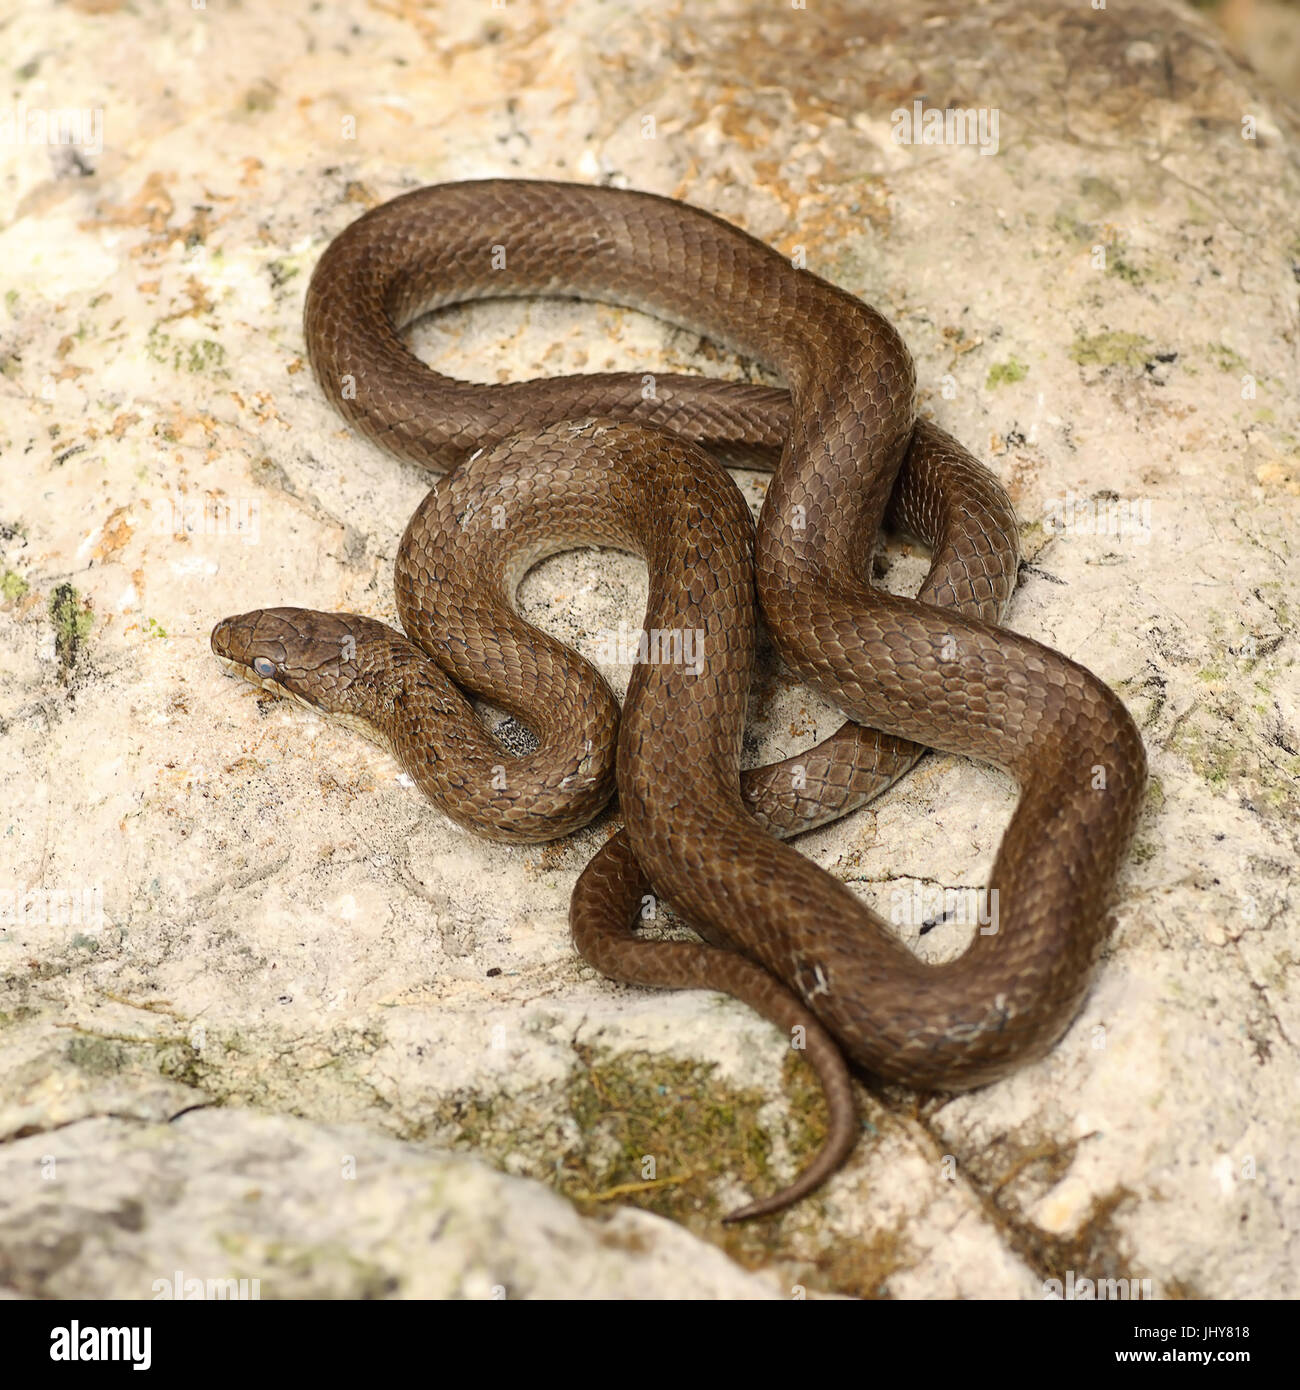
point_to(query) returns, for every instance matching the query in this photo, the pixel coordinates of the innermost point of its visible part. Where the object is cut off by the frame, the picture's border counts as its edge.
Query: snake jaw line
(355, 723)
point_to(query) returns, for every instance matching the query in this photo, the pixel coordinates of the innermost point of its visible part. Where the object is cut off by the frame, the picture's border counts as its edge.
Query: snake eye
(264, 666)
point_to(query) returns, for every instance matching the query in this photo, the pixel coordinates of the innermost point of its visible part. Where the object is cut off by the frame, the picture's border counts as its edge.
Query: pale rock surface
(288, 1208)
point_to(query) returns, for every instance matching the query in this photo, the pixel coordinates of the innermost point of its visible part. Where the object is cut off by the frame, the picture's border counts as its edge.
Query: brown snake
(560, 462)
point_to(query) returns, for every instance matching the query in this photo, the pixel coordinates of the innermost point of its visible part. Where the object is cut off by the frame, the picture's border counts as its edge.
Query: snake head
(325, 661)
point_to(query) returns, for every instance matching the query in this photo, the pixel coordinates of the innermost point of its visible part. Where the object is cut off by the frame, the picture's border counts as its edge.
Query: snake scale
(636, 462)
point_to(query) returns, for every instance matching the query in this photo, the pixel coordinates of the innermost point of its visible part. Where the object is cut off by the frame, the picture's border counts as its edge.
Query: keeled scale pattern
(950, 680)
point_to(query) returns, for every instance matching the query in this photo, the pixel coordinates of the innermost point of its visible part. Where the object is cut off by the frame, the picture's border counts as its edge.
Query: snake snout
(311, 657)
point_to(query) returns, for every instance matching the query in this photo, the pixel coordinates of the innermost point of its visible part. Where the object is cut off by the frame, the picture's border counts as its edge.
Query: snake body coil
(566, 461)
